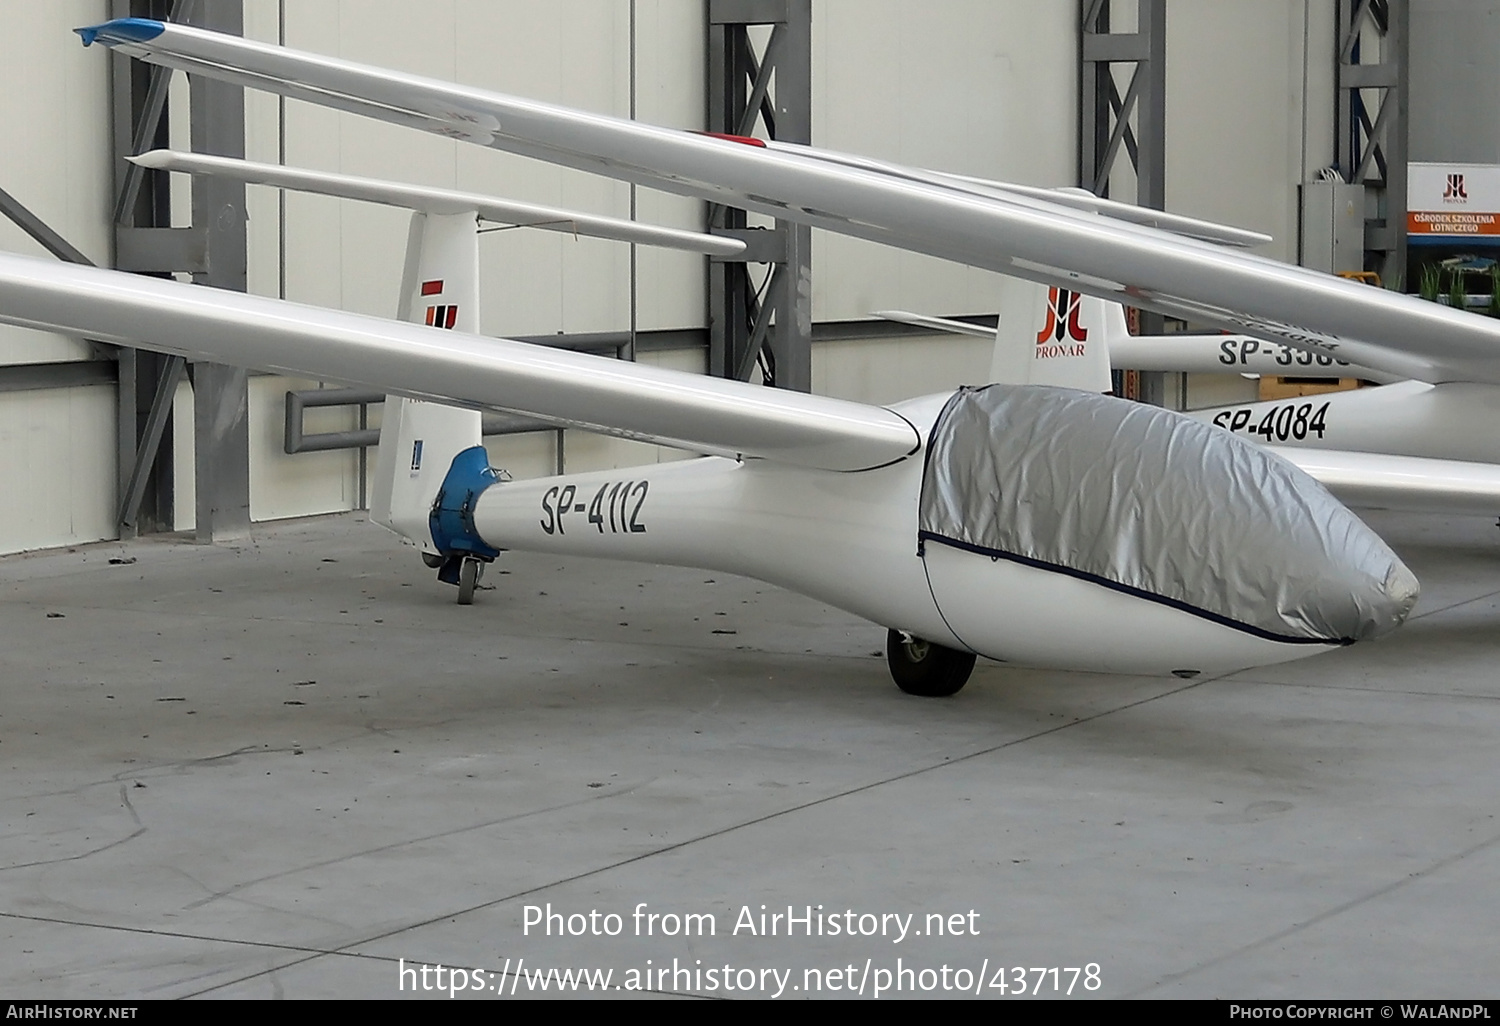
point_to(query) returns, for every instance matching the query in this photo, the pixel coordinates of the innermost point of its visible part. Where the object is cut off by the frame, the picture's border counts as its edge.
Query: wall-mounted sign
(1452, 202)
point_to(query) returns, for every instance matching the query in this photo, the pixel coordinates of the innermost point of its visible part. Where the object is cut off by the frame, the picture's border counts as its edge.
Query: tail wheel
(468, 580)
(923, 668)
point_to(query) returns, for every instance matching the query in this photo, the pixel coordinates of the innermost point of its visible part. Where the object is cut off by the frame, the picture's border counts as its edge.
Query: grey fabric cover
(1148, 501)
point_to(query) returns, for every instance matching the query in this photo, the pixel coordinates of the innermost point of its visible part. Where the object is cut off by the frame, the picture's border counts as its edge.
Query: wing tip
(121, 30)
(722, 247)
(153, 158)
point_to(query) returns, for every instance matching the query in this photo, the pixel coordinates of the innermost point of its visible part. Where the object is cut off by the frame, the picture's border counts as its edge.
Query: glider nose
(1402, 590)
(1393, 600)
(1145, 501)
(1362, 590)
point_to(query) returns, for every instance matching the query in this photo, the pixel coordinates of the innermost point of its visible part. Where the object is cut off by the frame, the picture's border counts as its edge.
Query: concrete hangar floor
(296, 768)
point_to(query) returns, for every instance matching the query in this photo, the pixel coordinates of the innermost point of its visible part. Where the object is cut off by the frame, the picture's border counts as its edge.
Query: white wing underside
(1380, 481)
(1004, 229)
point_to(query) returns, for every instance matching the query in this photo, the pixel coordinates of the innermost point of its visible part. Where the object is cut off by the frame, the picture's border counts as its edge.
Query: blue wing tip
(122, 30)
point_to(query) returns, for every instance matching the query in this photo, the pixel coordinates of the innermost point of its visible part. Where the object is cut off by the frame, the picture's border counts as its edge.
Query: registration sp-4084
(1281, 422)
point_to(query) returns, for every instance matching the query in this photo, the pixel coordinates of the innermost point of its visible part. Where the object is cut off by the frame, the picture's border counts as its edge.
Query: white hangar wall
(57, 446)
(1454, 89)
(1249, 111)
(1250, 108)
(975, 86)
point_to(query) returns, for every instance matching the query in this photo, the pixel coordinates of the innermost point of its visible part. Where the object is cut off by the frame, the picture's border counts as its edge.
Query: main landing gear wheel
(924, 668)
(468, 580)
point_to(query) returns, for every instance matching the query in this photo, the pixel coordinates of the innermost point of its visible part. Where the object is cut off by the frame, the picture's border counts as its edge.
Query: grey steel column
(221, 431)
(791, 343)
(1105, 122)
(1105, 114)
(728, 281)
(771, 323)
(1373, 68)
(142, 221)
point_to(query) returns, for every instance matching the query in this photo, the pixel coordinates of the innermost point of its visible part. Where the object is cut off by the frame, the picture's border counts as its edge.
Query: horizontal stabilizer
(917, 320)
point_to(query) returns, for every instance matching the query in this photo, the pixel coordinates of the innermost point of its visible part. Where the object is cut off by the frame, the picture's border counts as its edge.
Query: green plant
(1430, 283)
(1458, 298)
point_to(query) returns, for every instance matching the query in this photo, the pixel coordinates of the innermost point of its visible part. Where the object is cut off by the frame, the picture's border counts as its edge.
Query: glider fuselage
(851, 540)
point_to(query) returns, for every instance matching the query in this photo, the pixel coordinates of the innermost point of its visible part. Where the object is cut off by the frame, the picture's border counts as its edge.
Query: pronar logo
(1454, 190)
(1062, 335)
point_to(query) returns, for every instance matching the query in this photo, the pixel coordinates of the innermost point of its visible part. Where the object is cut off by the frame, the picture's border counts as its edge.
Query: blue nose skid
(452, 518)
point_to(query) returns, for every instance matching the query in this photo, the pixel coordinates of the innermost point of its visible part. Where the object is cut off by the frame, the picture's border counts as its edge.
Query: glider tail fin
(419, 440)
(1054, 336)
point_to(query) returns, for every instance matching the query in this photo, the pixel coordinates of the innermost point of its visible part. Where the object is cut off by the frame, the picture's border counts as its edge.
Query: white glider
(1028, 523)
(1031, 524)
